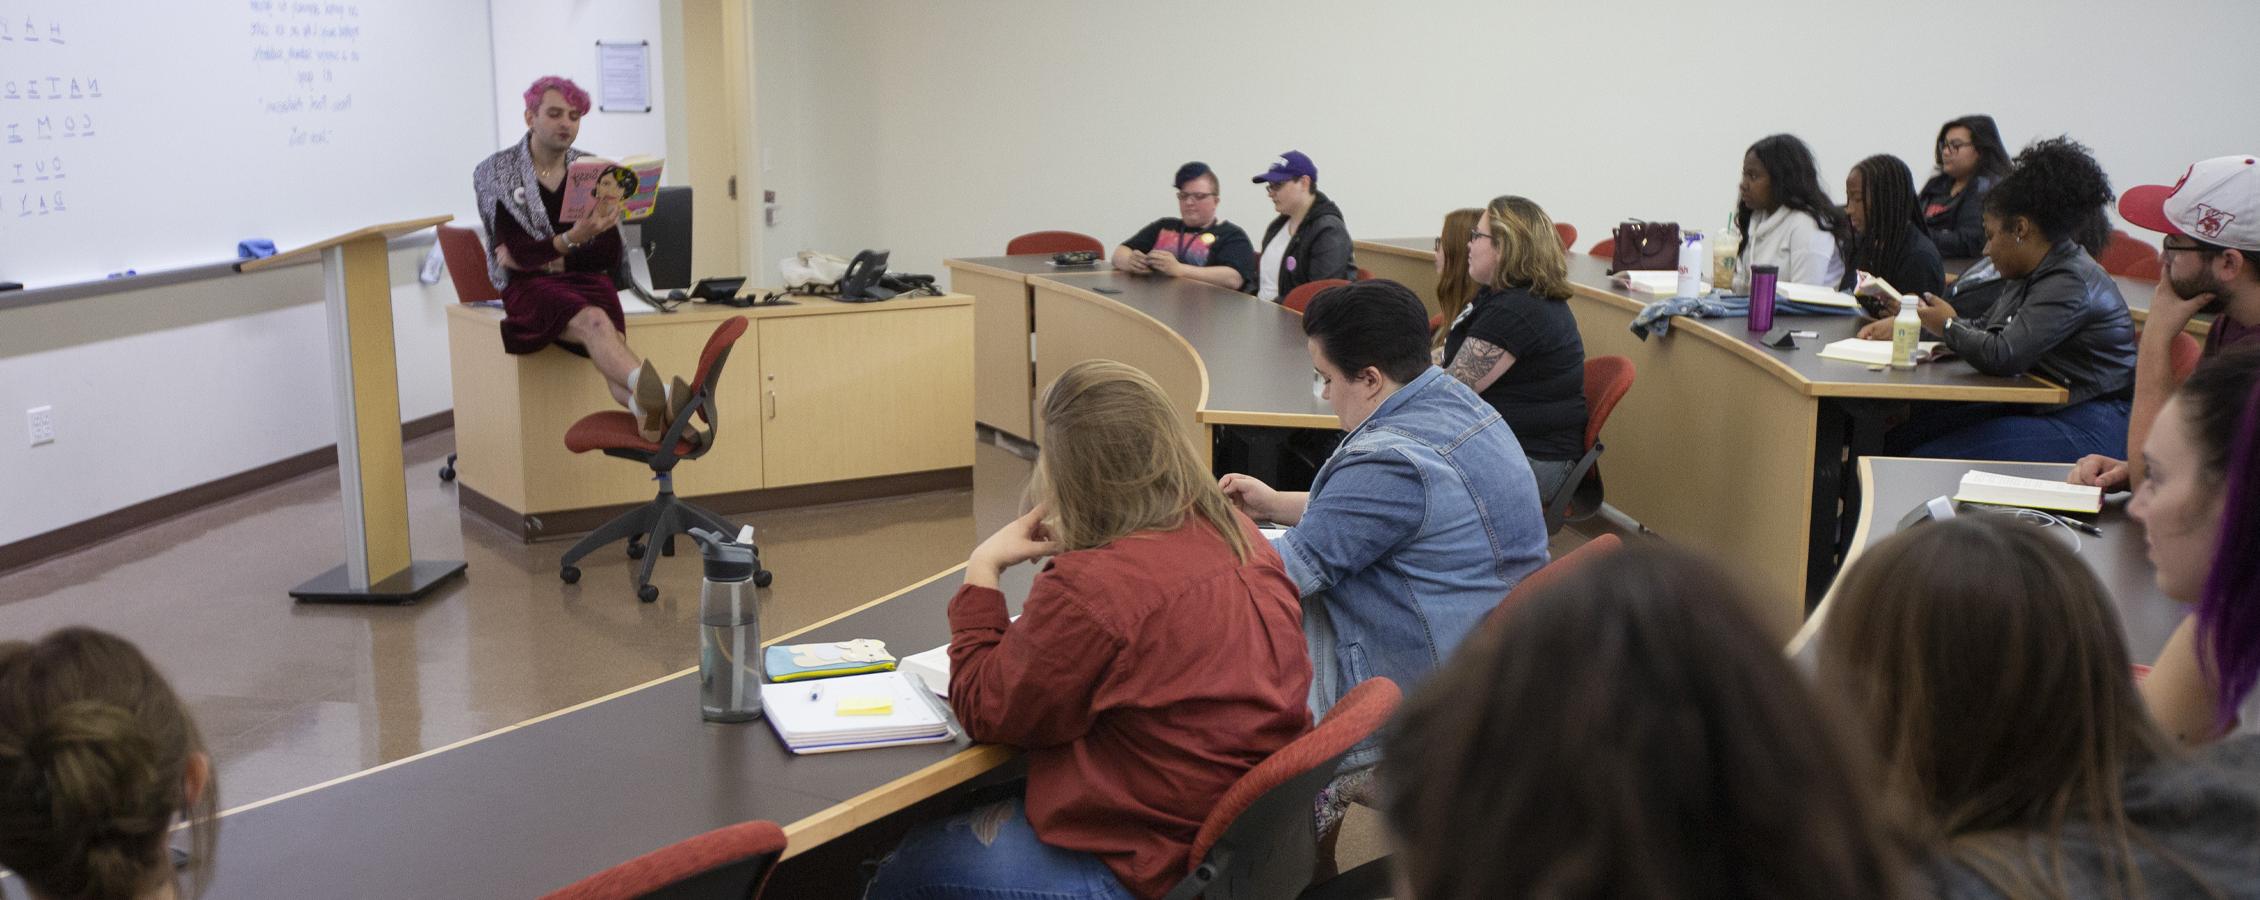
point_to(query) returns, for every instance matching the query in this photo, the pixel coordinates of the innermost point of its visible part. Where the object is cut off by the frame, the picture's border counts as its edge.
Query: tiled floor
(290, 695)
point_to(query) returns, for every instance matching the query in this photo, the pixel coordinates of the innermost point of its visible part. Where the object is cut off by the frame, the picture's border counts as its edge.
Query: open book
(2034, 493)
(634, 182)
(1872, 353)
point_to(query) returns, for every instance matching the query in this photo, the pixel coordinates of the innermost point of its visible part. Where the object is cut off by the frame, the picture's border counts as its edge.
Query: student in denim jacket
(1420, 522)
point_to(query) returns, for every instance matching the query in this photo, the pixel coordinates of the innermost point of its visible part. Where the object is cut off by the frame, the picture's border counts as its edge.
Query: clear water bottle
(729, 631)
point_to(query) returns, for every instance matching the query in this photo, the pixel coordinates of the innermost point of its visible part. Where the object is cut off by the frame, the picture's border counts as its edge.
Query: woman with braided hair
(2059, 317)
(98, 761)
(1887, 227)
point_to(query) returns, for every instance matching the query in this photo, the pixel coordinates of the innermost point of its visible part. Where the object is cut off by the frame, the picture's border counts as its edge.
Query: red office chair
(2185, 355)
(731, 862)
(1605, 248)
(1607, 378)
(1299, 298)
(1362, 274)
(657, 522)
(1052, 242)
(2127, 257)
(1434, 322)
(1567, 232)
(466, 259)
(1260, 840)
(1585, 554)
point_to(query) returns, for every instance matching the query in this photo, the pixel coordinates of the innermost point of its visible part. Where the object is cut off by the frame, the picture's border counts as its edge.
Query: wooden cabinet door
(854, 395)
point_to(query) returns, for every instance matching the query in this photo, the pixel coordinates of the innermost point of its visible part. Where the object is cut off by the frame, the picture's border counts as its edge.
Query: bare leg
(608, 349)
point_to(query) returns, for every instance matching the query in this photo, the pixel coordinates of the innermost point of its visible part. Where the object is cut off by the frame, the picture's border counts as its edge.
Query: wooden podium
(357, 293)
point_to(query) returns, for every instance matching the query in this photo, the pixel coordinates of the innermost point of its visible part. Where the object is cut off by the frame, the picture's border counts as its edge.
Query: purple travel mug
(1761, 296)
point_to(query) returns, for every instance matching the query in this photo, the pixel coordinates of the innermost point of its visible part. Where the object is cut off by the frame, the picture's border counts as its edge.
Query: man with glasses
(1196, 244)
(2211, 220)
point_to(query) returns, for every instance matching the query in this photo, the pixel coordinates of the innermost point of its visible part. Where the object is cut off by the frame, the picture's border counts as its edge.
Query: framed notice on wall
(623, 76)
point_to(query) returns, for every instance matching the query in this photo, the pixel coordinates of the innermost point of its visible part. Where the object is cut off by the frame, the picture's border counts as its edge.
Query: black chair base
(652, 526)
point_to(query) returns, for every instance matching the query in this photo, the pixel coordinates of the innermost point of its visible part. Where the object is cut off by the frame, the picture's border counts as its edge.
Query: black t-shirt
(1542, 396)
(1220, 244)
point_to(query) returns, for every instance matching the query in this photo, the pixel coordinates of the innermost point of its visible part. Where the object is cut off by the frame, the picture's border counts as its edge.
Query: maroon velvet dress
(537, 305)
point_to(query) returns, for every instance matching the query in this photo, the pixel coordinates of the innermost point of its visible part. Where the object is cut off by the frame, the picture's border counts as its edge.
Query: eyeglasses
(1272, 187)
(1950, 145)
(1474, 236)
(1196, 195)
(2169, 247)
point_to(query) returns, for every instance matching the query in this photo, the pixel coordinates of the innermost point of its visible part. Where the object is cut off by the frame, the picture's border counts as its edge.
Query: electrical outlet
(42, 422)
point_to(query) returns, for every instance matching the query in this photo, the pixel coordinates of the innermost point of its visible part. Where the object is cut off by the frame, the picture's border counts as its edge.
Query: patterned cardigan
(506, 179)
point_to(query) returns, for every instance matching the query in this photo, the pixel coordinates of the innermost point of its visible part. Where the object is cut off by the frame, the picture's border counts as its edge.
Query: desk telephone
(867, 280)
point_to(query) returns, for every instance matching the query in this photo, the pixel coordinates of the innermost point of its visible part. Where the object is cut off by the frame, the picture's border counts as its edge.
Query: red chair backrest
(1585, 554)
(2128, 257)
(730, 861)
(1607, 378)
(711, 356)
(1605, 248)
(1052, 242)
(1299, 298)
(466, 259)
(1363, 274)
(1359, 713)
(2185, 355)
(1567, 232)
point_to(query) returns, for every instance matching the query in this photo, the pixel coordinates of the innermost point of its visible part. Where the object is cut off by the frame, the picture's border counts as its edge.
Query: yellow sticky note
(866, 706)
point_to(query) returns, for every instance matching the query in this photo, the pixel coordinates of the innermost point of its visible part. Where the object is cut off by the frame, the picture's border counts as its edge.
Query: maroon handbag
(1645, 246)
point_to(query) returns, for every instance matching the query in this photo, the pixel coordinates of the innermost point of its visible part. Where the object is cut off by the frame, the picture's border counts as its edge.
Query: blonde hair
(94, 755)
(1530, 251)
(1453, 286)
(1116, 461)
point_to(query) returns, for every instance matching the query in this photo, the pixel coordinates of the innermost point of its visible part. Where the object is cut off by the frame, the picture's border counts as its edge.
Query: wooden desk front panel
(1076, 326)
(1415, 269)
(853, 396)
(1712, 453)
(1003, 376)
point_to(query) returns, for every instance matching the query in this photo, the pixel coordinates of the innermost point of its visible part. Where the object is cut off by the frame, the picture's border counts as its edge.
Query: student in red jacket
(1158, 658)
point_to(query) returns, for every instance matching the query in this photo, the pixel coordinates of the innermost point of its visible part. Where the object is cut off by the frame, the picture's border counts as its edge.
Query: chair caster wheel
(648, 593)
(447, 473)
(569, 574)
(635, 550)
(762, 578)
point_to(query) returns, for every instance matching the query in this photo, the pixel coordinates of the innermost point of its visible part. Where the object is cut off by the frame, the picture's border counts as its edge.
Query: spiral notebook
(855, 712)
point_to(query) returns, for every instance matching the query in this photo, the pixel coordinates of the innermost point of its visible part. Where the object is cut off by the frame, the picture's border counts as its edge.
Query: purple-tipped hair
(2228, 615)
(574, 97)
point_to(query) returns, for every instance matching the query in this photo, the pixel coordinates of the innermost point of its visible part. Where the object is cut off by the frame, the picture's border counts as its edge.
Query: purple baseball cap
(1288, 167)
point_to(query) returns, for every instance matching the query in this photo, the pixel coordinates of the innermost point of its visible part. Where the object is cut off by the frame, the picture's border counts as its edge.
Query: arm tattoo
(1475, 360)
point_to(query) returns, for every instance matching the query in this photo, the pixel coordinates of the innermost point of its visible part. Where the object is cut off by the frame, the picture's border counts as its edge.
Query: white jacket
(1794, 241)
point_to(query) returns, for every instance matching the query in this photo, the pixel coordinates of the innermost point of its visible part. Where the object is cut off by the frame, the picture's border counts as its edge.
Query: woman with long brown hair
(1987, 665)
(1454, 287)
(1159, 657)
(1517, 344)
(98, 761)
(1627, 731)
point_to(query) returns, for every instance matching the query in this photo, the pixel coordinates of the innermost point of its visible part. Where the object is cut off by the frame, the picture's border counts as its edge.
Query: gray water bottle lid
(726, 560)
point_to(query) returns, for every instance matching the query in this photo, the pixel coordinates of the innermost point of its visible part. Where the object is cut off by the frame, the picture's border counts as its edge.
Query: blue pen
(127, 273)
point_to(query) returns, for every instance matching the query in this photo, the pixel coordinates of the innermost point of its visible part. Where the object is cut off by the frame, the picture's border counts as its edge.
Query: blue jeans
(950, 858)
(2014, 433)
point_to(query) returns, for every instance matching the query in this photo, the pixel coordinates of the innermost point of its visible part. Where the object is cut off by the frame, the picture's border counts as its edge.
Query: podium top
(386, 231)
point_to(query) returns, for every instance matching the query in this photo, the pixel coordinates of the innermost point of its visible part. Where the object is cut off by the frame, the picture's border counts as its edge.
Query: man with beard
(2211, 220)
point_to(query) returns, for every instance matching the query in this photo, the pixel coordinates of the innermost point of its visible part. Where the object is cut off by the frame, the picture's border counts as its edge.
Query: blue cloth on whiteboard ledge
(1656, 317)
(254, 248)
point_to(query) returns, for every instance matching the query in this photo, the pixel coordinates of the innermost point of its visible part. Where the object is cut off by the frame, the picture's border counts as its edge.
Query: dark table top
(1031, 264)
(531, 809)
(1259, 371)
(1893, 487)
(1951, 379)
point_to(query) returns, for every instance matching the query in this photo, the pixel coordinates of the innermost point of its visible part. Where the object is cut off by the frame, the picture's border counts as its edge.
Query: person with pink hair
(555, 277)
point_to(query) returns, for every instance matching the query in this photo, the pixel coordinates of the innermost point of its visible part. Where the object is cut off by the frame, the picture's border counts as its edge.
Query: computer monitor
(667, 239)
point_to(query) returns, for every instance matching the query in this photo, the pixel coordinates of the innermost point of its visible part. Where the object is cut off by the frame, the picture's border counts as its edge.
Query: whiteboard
(157, 134)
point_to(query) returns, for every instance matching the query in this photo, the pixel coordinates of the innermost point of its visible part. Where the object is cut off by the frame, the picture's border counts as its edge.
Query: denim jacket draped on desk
(1417, 527)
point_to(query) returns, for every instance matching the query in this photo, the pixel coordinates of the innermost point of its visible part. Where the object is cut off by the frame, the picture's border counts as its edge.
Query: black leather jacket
(1319, 250)
(2064, 322)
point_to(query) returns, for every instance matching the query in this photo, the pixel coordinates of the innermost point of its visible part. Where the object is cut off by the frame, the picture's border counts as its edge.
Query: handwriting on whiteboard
(47, 105)
(308, 57)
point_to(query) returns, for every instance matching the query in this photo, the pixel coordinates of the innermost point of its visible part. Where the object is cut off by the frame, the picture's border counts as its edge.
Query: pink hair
(574, 97)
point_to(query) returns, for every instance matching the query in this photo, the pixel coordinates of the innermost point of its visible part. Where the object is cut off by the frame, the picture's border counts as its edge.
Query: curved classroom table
(1891, 487)
(1732, 446)
(1224, 358)
(528, 809)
